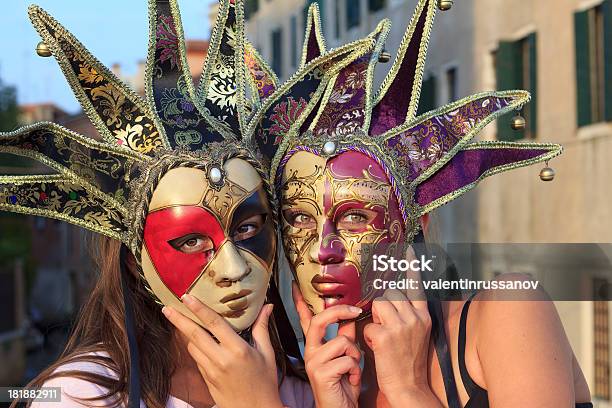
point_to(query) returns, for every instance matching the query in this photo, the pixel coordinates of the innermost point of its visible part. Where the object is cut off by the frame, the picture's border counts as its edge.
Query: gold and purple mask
(355, 168)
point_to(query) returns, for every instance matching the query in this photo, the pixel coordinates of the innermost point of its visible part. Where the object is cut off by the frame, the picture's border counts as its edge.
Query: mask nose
(328, 249)
(229, 266)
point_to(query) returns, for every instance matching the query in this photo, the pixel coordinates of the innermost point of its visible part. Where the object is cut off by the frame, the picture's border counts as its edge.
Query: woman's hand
(231, 368)
(399, 337)
(333, 366)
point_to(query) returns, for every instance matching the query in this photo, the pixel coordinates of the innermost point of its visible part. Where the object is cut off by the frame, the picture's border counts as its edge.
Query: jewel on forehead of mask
(329, 148)
(72, 195)
(215, 175)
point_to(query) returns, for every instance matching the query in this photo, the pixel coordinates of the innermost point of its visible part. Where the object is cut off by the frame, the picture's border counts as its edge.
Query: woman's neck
(187, 383)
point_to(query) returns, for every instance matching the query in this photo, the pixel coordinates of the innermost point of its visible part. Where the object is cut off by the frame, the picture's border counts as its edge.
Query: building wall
(576, 206)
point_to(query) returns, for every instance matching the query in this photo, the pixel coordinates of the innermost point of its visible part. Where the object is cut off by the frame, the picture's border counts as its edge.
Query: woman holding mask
(183, 209)
(357, 173)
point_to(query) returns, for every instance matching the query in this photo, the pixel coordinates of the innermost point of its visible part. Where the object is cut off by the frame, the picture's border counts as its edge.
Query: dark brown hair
(100, 327)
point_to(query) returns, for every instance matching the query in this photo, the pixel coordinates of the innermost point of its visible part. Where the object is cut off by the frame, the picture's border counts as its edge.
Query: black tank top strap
(470, 386)
(444, 358)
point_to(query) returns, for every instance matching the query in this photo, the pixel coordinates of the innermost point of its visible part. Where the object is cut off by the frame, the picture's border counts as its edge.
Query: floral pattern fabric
(185, 126)
(344, 112)
(421, 146)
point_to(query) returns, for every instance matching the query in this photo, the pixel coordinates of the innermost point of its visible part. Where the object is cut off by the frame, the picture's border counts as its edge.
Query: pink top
(294, 393)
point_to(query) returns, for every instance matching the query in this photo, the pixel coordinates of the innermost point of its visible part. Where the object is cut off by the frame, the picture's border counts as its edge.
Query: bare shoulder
(508, 315)
(520, 336)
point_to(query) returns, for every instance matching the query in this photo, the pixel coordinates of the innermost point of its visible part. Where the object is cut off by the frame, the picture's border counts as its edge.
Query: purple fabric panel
(344, 112)
(391, 111)
(311, 117)
(466, 167)
(313, 51)
(423, 145)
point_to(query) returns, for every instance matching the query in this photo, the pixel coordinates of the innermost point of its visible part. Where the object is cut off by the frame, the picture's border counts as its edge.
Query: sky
(115, 31)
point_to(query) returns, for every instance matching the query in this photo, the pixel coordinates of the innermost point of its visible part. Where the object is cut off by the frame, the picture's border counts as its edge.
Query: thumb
(261, 335)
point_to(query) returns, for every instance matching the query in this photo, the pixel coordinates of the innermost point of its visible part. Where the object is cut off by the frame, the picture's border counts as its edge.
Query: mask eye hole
(249, 227)
(193, 244)
(355, 220)
(300, 219)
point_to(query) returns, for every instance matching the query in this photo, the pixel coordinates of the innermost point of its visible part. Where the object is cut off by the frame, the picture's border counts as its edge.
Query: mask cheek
(158, 287)
(294, 241)
(297, 245)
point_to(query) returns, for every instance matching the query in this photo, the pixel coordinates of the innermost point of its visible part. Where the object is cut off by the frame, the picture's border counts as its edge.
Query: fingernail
(354, 309)
(187, 298)
(166, 311)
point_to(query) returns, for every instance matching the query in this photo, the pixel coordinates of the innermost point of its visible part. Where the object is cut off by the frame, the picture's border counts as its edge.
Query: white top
(294, 393)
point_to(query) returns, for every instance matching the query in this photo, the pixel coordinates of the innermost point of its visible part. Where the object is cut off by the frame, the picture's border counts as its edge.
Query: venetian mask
(336, 214)
(217, 244)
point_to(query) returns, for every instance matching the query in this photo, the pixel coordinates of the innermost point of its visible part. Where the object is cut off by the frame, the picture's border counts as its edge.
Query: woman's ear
(424, 222)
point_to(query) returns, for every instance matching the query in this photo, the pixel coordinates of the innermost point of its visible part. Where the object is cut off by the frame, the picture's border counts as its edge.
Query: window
(294, 42)
(428, 96)
(337, 19)
(277, 51)
(353, 13)
(451, 84)
(321, 11)
(593, 67)
(601, 337)
(376, 5)
(250, 8)
(516, 68)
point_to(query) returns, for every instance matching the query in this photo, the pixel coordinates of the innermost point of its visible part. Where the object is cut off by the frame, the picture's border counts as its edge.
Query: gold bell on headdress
(43, 50)
(384, 57)
(547, 174)
(445, 5)
(518, 122)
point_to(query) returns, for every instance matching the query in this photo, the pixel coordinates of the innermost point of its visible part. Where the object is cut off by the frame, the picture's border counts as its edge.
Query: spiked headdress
(430, 159)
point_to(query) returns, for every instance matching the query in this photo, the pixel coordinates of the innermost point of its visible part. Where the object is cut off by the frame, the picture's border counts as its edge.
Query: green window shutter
(353, 13)
(607, 12)
(427, 101)
(321, 12)
(583, 68)
(375, 5)
(250, 8)
(533, 84)
(277, 51)
(509, 73)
